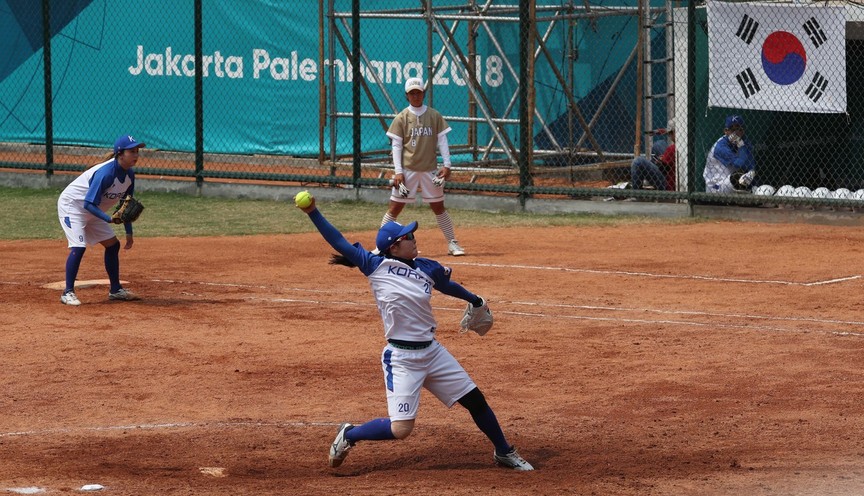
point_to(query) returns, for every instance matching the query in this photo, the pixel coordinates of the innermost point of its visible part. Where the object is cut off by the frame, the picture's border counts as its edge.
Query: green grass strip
(32, 214)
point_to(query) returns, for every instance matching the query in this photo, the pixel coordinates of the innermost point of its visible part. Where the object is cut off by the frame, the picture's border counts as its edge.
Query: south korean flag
(783, 57)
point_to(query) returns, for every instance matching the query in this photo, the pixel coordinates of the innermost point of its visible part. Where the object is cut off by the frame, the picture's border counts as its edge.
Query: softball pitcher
(81, 208)
(414, 134)
(412, 359)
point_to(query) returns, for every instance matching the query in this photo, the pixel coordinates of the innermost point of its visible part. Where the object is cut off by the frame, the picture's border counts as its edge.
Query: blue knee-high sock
(73, 263)
(488, 423)
(374, 430)
(112, 265)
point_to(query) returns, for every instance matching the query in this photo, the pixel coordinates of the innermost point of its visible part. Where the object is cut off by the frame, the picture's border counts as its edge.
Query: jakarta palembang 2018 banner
(781, 57)
(124, 66)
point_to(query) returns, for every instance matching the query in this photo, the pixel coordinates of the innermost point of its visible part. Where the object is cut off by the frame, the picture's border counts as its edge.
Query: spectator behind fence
(730, 166)
(659, 171)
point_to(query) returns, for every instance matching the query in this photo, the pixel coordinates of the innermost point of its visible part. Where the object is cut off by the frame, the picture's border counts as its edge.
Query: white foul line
(662, 276)
(618, 319)
(689, 312)
(832, 281)
(174, 425)
(687, 323)
(238, 285)
(587, 307)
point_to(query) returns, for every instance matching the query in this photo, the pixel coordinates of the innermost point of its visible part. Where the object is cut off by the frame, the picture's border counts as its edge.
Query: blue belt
(409, 345)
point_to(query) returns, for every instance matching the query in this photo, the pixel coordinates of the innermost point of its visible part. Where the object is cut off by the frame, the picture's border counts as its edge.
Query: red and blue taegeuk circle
(783, 57)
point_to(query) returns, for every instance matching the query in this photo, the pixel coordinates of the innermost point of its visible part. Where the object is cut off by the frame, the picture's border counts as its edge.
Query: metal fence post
(355, 88)
(526, 94)
(49, 111)
(199, 97)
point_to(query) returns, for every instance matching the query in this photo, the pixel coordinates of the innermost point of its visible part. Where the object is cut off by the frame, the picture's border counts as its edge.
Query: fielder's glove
(741, 180)
(477, 319)
(128, 210)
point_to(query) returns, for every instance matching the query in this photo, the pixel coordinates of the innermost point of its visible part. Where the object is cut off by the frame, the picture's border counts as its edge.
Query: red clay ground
(711, 359)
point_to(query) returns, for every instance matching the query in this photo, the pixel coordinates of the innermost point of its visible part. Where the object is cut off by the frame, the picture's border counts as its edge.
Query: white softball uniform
(716, 173)
(83, 228)
(422, 180)
(406, 372)
(403, 295)
(412, 358)
(103, 185)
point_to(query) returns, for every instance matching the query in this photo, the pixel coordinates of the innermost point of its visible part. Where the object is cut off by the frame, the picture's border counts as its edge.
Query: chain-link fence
(783, 69)
(534, 106)
(557, 99)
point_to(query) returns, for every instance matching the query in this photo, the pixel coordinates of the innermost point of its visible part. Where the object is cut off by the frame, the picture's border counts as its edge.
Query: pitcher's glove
(477, 319)
(128, 210)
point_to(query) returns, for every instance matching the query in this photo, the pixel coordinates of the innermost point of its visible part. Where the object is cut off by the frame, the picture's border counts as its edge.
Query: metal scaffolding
(501, 149)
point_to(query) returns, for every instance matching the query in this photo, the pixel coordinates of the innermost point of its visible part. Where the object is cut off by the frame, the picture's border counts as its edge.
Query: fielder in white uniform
(412, 359)
(81, 209)
(730, 154)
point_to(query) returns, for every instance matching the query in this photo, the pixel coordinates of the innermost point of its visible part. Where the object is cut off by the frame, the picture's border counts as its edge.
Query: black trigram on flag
(749, 85)
(747, 29)
(814, 31)
(817, 87)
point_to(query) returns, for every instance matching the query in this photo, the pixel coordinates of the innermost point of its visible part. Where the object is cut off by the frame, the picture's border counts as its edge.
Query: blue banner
(128, 67)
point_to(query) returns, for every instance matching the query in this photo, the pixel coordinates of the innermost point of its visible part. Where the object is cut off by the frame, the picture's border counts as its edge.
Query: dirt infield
(711, 359)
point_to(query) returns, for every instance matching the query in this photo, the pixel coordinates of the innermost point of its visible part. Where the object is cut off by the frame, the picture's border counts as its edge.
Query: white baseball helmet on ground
(841, 194)
(785, 190)
(802, 192)
(821, 192)
(764, 190)
(858, 195)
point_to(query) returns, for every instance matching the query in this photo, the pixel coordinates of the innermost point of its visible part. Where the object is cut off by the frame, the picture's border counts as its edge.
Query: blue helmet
(734, 120)
(390, 232)
(126, 142)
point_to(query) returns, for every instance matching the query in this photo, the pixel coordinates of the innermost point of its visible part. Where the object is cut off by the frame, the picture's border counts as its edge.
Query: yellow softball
(303, 199)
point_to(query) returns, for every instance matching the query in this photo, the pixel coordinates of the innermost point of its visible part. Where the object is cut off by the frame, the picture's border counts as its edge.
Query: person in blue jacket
(81, 209)
(730, 166)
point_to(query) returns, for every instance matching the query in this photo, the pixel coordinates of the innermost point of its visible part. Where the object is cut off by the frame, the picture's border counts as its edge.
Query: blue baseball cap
(390, 232)
(658, 148)
(734, 120)
(126, 142)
